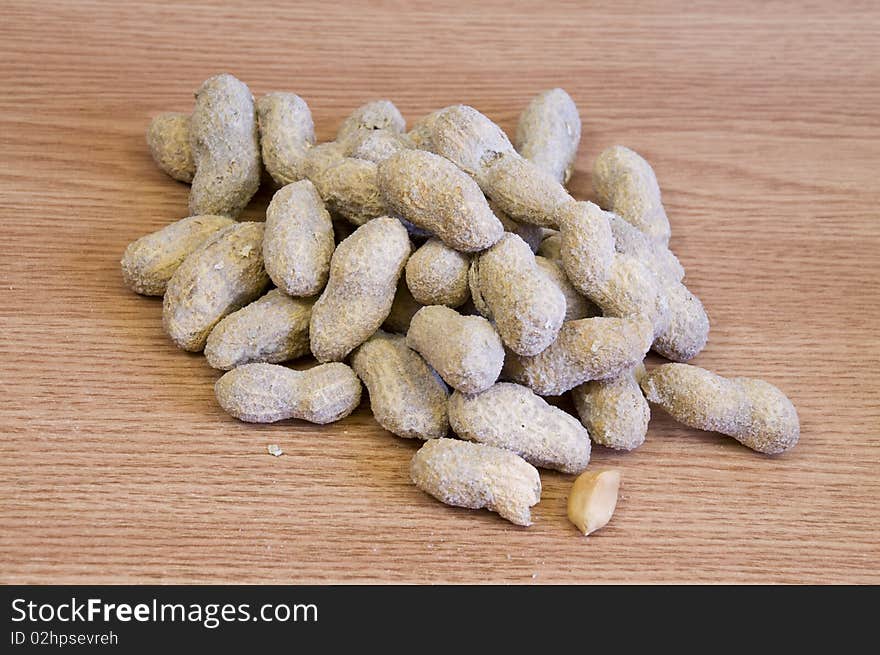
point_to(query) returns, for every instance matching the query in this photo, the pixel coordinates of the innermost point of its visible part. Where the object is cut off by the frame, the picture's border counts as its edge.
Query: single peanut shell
(465, 350)
(576, 305)
(614, 410)
(588, 349)
(375, 115)
(299, 240)
(626, 185)
(407, 397)
(149, 262)
(168, 140)
(349, 186)
(508, 287)
(226, 148)
(223, 274)
(549, 132)
(265, 393)
(468, 139)
(364, 272)
(477, 476)
(512, 417)
(273, 329)
(403, 308)
(287, 132)
(438, 275)
(754, 412)
(430, 192)
(523, 191)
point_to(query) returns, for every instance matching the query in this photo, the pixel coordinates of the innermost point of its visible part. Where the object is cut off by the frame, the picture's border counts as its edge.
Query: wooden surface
(762, 121)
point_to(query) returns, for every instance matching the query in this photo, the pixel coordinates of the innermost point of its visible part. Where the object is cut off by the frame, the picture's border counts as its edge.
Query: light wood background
(762, 121)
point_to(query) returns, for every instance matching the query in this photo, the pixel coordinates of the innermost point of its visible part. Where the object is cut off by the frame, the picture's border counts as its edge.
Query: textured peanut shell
(508, 287)
(523, 191)
(407, 397)
(430, 192)
(226, 149)
(586, 247)
(465, 350)
(403, 308)
(273, 329)
(168, 140)
(299, 240)
(614, 411)
(265, 393)
(375, 115)
(548, 133)
(223, 274)
(438, 275)
(469, 139)
(349, 186)
(512, 417)
(588, 349)
(754, 412)
(474, 475)
(687, 331)
(364, 272)
(626, 185)
(287, 132)
(576, 305)
(149, 262)
(376, 145)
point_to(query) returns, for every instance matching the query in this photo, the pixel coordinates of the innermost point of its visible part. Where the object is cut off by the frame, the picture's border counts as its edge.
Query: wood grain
(762, 121)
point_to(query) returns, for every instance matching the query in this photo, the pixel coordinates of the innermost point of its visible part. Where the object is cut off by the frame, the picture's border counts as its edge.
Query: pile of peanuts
(436, 262)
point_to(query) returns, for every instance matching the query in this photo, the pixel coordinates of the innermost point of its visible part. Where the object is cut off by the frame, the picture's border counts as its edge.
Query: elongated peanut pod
(586, 246)
(407, 397)
(477, 476)
(687, 331)
(225, 146)
(508, 287)
(548, 133)
(430, 192)
(224, 273)
(168, 140)
(287, 132)
(438, 275)
(512, 417)
(149, 262)
(465, 350)
(349, 186)
(265, 393)
(588, 349)
(298, 243)
(626, 185)
(364, 272)
(754, 412)
(469, 139)
(273, 329)
(614, 410)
